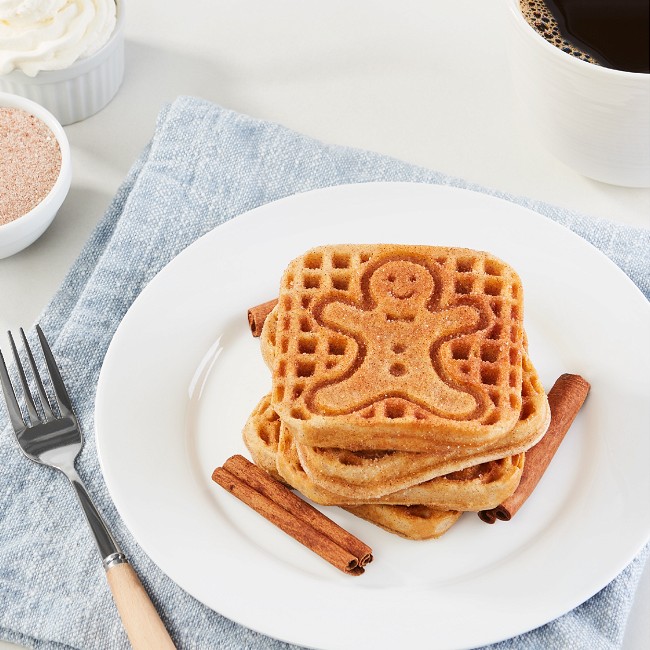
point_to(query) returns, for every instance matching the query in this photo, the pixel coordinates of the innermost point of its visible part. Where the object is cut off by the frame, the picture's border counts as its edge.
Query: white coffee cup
(592, 118)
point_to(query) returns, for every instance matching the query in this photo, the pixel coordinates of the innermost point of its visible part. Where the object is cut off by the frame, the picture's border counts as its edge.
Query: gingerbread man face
(401, 285)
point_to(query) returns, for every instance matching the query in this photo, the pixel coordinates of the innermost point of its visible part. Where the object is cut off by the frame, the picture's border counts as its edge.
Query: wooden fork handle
(140, 619)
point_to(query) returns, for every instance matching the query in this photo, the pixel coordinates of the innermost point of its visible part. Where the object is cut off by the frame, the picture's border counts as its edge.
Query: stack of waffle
(402, 389)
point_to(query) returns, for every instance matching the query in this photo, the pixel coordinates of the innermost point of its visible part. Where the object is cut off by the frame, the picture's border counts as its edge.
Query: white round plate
(183, 373)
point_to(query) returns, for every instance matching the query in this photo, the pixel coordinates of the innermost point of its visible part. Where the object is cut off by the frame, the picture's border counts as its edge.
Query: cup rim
(80, 65)
(62, 184)
(568, 58)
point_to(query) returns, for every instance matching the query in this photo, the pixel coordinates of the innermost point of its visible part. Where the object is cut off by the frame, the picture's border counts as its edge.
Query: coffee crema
(611, 33)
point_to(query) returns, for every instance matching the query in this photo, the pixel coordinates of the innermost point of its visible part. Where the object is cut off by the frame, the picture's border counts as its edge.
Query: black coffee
(611, 33)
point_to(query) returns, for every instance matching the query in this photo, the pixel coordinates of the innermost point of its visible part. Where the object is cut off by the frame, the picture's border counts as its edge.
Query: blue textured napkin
(203, 166)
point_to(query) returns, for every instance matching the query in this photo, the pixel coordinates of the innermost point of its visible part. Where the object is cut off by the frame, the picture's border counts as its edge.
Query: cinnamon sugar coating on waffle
(472, 489)
(268, 338)
(412, 522)
(398, 347)
(369, 474)
(261, 435)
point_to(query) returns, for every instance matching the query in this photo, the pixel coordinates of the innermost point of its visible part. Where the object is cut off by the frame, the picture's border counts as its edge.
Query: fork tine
(45, 402)
(34, 417)
(15, 415)
(60, 391)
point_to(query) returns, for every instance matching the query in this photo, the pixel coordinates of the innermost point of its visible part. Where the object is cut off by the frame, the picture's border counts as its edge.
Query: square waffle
(399, 348)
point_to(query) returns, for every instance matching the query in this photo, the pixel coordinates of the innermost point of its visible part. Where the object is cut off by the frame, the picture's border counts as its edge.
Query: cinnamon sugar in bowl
(35, 171)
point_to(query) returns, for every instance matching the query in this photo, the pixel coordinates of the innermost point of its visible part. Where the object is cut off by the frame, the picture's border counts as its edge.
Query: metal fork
(55, 439)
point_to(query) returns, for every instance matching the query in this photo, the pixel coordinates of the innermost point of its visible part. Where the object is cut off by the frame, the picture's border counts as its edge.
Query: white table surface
(425, 81)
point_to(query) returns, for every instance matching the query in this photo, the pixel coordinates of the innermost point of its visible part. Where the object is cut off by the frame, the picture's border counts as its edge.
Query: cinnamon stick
(257, 315)
(291, 514)
(565, 399)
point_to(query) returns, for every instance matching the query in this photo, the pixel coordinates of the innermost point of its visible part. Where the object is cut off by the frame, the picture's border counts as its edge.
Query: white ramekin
(80, 90)
(23, 231)
(594, 119)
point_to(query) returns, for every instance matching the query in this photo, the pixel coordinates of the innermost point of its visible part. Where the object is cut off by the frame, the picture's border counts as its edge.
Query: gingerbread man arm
(345, 317)
(453, 320)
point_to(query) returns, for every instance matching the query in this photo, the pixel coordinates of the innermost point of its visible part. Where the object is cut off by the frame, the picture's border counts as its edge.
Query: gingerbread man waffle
(387, 346)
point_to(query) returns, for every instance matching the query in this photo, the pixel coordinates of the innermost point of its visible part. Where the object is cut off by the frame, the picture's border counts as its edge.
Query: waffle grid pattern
(487, 362)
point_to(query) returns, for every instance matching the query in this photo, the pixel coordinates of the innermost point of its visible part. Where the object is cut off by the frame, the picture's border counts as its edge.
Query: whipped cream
(40, 35)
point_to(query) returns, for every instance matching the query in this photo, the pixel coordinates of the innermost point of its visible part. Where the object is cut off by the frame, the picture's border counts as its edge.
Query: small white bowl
(23, 231)
(83, 88)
